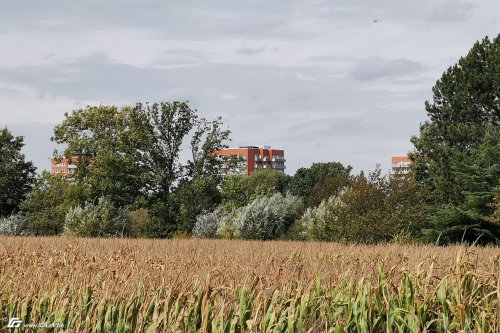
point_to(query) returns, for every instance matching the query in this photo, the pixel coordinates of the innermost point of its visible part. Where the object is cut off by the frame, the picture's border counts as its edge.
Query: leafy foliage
(158, 132)
(316, 222)
(268, 218)
(192, 198)
(16, 174)
(14, 225)
(457, 155)
(239, 190)
(131, 155)
(209, 136)
(329, 187)
(101, 138)
(142, 223)
(99, 220)
(208, 224)
(367, 211)
(234, 191)
(49, 201)
(308, 181)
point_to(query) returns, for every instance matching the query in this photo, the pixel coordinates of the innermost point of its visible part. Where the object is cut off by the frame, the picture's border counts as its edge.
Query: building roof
(400, 159)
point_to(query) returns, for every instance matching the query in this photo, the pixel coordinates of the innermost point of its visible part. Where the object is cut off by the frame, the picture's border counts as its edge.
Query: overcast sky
(317, 78)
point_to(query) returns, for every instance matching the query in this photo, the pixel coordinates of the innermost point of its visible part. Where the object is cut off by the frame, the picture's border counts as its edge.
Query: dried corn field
(120, 285)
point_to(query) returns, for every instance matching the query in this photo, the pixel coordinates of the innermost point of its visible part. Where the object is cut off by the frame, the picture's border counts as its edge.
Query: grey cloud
(93, 78)
(169, 19)
(274, 107)
(182, 56)
(375, 68)
(250, 51)
(453, 10)
(98, 78)
(199, 19)
(331, 127)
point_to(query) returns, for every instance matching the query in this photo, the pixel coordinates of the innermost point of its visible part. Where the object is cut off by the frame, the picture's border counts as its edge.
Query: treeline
(131, 180)
(323, 203)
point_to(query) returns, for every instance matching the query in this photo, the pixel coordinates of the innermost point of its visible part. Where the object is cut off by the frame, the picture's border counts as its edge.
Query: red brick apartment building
(63, 166)
(254, 158)
(400, 165)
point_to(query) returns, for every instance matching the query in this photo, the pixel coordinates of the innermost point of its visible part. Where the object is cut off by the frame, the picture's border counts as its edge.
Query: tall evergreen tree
(466, 106)
(457, 152)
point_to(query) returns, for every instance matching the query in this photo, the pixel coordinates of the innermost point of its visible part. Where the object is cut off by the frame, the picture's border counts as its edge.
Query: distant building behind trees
(63, 166)
(400, 165)
(253, 158)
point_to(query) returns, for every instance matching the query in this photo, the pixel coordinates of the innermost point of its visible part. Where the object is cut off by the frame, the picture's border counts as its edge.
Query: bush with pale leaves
(268, 217)
(100, 220)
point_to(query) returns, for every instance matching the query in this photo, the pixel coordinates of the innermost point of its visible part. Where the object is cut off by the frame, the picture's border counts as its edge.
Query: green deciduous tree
(142, 223)
(367, 210)
(240, 190)
(158, 131)
(132, 155)
(101, 137)
(16, 174)
(49, 201)
(234, 191)
(209, 136)
(177, 189)
(329, 187)
(193, 198)
(305, 180)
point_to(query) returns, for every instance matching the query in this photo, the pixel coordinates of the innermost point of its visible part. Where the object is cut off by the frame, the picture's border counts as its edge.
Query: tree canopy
(457, 151)
(132, 155)
(16, 174)
(305, 182)
(49, 201)
(465, 111)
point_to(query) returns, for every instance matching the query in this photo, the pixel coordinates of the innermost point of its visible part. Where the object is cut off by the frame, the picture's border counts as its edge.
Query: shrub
(14, 225)
(370, 210)
(208, 224)
(101, 220)
(315, 223)
(216, 224)
(226, 227)
(50, 200)
(142, 222)
(268, 217)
